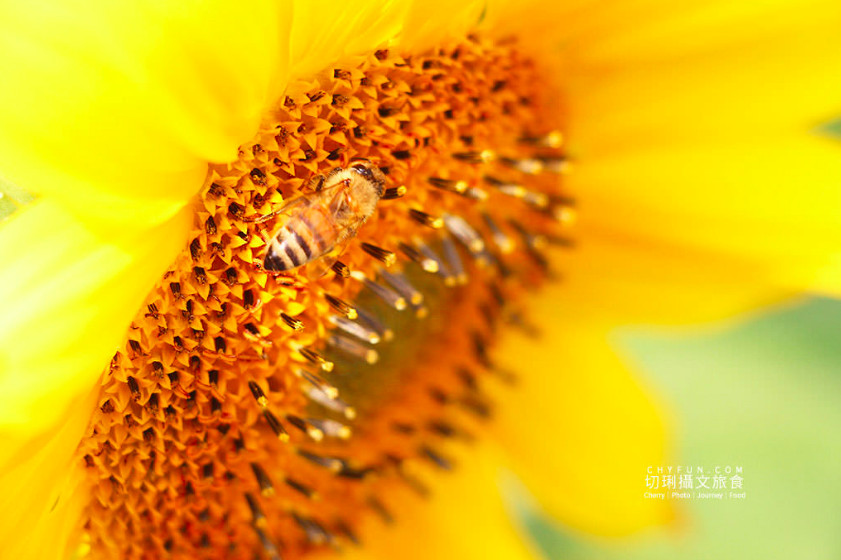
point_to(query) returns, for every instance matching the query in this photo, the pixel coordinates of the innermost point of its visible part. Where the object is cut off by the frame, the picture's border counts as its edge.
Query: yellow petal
(432, 23)
(115, 108)
(698, 129)
(68, 295)
(726, 199)
(326, 31)
(42, 493)
(579, 428)
(620, 279)
(829, 279)
(695, 127)
(463, 518)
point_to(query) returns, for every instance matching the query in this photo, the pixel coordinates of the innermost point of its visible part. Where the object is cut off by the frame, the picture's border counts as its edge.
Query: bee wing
(338, 200)
(292, 204)
(330, 195)
(285, 209)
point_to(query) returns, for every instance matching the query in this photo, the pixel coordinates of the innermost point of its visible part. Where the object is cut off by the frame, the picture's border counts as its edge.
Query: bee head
(371, 173)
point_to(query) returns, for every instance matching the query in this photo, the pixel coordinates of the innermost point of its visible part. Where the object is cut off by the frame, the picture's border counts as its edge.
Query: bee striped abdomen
(298, 242)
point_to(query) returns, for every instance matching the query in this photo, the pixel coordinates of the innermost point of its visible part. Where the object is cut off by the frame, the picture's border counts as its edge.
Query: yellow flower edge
(66, 289)
(175, 141)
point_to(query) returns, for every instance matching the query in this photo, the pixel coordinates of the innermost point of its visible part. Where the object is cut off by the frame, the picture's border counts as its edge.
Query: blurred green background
(763, 392)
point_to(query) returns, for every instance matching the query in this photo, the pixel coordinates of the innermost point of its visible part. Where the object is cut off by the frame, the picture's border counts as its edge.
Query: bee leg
(315, 184)
(262, 218)
(258, 267)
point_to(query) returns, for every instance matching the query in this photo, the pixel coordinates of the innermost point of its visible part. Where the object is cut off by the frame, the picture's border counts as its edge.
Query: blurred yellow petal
(43, 491)
(463, 518)
(623, 279)
(704, 199)
(68, 295)
(114, 109)
(579, 427)
(711, 144)
(829, 279)
(432, 23)
(326, 31)
(696, 127)
(767, 83)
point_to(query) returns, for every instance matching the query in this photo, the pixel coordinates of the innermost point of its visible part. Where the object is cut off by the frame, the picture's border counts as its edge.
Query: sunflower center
(262, 403)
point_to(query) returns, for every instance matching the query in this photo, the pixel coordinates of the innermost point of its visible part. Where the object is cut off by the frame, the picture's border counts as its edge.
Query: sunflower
(166, 394)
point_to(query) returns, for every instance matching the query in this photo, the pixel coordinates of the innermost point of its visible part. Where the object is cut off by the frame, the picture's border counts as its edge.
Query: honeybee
(319, 222)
